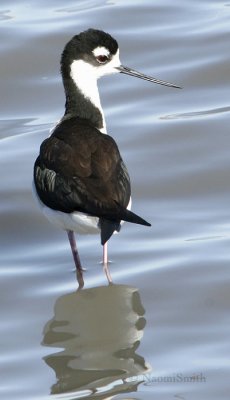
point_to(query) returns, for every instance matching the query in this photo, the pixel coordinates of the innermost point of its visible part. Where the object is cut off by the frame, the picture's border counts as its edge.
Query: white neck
(85, 78)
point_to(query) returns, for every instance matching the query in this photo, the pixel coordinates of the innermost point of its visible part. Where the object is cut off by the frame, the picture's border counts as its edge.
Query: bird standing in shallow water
(80, 180)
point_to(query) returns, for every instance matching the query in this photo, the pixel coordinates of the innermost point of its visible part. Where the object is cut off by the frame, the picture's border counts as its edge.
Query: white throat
(85, 77)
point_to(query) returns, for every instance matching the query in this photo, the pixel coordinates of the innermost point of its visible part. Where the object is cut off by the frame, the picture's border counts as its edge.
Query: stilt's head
(94, 51)
(93, 54)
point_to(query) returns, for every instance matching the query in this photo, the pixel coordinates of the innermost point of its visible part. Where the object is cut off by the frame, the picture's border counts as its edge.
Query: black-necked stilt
(80, 179)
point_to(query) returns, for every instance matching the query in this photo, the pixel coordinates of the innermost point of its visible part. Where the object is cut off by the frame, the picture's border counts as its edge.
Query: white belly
(75, 221)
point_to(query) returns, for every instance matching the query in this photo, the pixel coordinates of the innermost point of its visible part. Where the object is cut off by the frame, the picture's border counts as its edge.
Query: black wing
(80, 169)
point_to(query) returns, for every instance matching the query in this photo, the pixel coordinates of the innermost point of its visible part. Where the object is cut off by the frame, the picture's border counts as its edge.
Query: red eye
(102, 59)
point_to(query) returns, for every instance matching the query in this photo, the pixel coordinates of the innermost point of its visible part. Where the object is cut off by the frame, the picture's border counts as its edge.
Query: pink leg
(105, 253)
(105, 262)
(76, 258)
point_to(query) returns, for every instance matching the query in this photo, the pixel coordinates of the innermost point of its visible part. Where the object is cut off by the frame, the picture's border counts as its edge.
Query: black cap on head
(92, 38)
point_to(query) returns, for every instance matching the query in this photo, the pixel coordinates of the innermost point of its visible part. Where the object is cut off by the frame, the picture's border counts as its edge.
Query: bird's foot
(107, 273)
(106, 263)
(80, 279)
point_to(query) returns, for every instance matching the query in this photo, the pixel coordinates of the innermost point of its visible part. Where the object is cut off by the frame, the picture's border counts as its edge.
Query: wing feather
(80, 169)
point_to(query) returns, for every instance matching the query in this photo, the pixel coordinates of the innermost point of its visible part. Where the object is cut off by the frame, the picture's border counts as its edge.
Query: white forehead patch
(101, 51)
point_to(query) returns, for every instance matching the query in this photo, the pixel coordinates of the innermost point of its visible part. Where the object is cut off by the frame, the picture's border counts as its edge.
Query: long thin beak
(132, 72)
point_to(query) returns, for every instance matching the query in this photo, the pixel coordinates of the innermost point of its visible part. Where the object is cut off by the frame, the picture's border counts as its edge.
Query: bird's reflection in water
(99, 330)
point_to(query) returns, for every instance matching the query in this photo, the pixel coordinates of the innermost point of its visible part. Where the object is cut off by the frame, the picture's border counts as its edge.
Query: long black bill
(132, 72)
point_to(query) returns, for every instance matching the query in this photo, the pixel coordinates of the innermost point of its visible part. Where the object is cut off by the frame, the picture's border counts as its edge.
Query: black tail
(129, 216)
(107, 229)
(109, 226)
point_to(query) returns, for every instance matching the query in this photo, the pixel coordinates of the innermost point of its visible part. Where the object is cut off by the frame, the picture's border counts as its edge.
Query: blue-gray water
(162, 332)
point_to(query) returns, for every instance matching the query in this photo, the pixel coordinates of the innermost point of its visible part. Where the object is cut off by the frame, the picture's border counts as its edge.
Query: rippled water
(163, 330)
